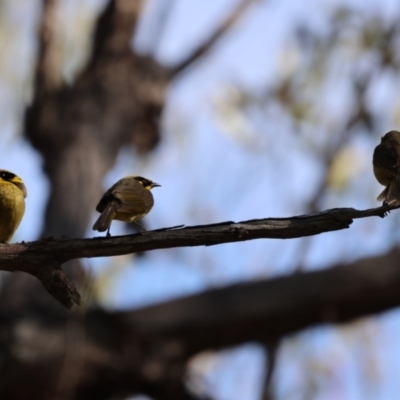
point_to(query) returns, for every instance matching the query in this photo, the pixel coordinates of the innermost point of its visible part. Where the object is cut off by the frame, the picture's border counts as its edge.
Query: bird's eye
(7, 175)
(141, 180)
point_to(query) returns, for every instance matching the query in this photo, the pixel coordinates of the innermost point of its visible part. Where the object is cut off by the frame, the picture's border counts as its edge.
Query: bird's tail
(391, 194)
(104, 221)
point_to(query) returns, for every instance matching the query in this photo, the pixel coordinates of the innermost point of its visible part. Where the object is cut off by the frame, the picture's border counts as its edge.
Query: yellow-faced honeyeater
(12, 204)
(386, 163)
(127, 200)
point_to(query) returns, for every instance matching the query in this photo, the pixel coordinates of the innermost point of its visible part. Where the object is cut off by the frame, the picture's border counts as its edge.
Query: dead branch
(231, 20)
(273, 308)
(43, 258)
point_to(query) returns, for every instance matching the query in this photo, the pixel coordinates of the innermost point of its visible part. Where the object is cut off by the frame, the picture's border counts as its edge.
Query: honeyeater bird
(386, 163)
(12, 204)
(127, 200)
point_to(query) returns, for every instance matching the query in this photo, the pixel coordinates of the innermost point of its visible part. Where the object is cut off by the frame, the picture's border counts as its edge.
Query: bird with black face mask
(386, 163)
(12, 204)
(127, 200)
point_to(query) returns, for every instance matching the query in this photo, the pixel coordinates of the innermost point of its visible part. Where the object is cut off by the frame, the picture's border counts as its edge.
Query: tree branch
(210, 42)
(146, 350)
(275, 307)
(43, 258)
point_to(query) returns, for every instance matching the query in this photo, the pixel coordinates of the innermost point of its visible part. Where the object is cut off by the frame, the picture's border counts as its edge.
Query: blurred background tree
(240, 109)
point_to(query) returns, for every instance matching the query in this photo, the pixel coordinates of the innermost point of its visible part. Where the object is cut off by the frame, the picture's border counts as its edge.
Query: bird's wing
(133, 198)
(387, 156)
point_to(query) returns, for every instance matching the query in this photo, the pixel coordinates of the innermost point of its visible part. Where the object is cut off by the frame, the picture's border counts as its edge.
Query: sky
(216, 163)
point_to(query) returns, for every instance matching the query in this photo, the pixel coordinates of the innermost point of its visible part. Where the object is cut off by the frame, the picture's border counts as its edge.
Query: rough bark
(43, 258)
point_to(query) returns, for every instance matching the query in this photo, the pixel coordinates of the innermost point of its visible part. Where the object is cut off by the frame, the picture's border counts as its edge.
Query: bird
(127, 200)
(12, 204)
(386, 165)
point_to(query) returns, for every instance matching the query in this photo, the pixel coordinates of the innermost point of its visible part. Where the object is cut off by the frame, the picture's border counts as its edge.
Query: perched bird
(127, 200)
(12, 204)
(386, 163)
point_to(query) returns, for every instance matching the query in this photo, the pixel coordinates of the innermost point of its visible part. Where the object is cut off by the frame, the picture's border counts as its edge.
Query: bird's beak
(154, 184)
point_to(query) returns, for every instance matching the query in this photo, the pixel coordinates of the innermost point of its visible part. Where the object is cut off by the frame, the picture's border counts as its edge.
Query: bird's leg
(108, 232)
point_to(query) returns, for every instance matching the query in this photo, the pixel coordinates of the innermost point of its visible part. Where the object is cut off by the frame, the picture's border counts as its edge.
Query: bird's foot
(386, 205)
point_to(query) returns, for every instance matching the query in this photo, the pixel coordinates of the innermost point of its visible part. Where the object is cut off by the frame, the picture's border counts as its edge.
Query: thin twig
(232, 19)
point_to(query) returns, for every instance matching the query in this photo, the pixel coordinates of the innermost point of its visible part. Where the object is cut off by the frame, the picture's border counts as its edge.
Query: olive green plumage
(12, 204)
(386, 164)
(127, 200)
